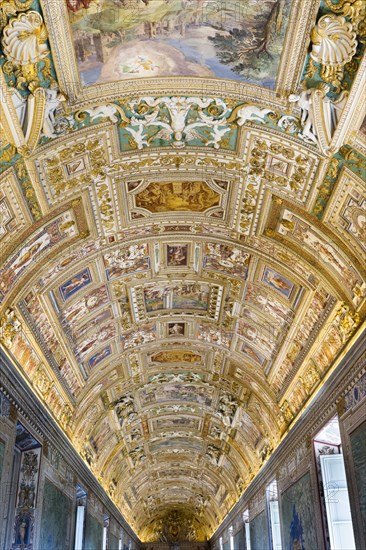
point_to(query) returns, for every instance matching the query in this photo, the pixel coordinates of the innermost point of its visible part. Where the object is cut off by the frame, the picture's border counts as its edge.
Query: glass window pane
(337, 502)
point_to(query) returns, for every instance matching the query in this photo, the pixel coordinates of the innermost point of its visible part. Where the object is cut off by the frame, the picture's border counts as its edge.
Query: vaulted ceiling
(182, 227)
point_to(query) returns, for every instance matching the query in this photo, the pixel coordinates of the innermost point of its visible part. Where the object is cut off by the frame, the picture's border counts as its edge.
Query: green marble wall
(259, 533)
(298, 512)
(56, 510)
(93, 534)
(358, 446)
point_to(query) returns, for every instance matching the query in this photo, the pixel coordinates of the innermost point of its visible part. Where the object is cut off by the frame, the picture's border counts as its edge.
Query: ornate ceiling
(182, 226)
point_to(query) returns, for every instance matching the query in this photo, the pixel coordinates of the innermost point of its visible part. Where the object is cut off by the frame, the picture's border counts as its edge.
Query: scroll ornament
(170, 119)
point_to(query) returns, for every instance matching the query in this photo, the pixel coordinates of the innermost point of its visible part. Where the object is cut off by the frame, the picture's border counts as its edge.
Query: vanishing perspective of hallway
(182, 275)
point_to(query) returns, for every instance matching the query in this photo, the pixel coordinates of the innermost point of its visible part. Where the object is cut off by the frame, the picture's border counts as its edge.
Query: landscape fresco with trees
(119, 39)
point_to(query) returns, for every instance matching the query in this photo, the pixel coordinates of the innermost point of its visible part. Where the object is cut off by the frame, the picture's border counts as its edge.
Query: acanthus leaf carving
(179, 120)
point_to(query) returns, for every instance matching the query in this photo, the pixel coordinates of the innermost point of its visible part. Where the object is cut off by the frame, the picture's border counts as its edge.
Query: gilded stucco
(182, 259)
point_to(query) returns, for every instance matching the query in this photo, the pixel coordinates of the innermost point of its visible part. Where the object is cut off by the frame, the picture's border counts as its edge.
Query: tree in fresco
(240, 44)
(191, 37)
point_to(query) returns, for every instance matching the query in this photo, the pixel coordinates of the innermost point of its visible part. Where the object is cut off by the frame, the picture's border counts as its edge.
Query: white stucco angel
(304, 100)
(320, 115)
(53, 102)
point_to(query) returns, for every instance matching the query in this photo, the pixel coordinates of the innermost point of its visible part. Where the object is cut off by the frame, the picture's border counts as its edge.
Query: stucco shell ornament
(24, 39)
(334, 45)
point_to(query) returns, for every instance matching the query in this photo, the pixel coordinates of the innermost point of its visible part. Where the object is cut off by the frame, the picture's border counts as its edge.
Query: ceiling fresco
(121, 39)
(182, 261)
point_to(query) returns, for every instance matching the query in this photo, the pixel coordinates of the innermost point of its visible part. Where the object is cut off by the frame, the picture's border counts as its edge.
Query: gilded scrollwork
(354, 9)
(56, 172)
(347, 321)
(276, 165)
(9, 8)
(42, 381)
(10, 326)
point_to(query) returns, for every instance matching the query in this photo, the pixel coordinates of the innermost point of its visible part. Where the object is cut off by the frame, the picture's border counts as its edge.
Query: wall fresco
(172, 392)
(26, 499)
(89, 303)
(176, 255)
(179, 296)
(113, 543)
(358, 446)
(298, 514)
(56, 516)
(356, 394)
(100, 356)
(176, 357)
(277, 281)
(259, 532)
(227, 259)
(126, 260)
(95, 336)
(93, 533)
(2, 454)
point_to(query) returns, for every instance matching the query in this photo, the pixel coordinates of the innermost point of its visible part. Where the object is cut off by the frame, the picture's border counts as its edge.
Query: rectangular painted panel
(113, 543)
(259, 532)
(298, 514)
(163, 38)
(358, 446)
(2, 454)
(239, 540)
(56, 509)
(93, 534)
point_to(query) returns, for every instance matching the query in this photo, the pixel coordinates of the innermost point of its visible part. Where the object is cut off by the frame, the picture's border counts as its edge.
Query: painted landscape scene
(232, 39)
